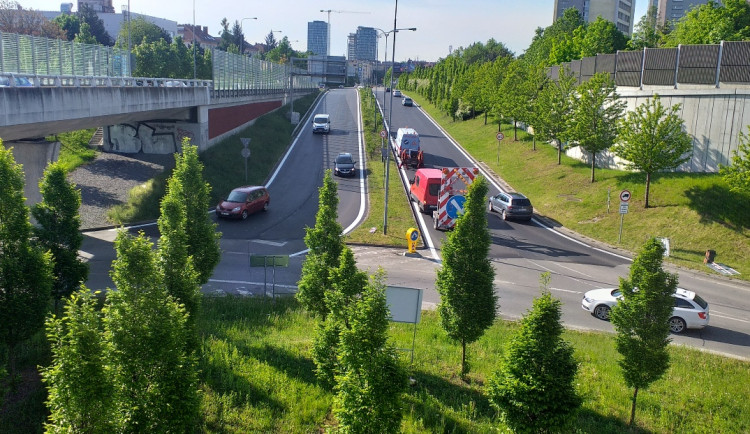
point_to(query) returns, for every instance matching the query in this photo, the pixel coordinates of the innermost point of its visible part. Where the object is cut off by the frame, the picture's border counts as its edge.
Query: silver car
(511, 205)
(690, 310)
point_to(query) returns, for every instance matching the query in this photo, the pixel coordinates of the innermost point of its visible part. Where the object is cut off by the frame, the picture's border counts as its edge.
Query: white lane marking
(362, 186)
(574, 270)
(243, 282)
(404, 179)
(725, 316)
(566, 290)
(270, 243)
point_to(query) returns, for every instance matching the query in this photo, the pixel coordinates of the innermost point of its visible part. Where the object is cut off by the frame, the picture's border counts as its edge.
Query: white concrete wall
(713, 118)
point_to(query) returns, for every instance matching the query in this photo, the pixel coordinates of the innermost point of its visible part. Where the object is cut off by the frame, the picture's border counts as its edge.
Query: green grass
(74, 149)
(400, 217)
(224, 168)
(696, 211)
(256, 375)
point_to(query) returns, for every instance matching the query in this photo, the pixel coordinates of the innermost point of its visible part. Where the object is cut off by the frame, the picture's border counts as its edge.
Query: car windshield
(701, 302)
(434, 189)
(344, 159)
(237, 196)
(320, 119)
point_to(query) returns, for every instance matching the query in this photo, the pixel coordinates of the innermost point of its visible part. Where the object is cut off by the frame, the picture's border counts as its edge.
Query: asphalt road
(520, 251)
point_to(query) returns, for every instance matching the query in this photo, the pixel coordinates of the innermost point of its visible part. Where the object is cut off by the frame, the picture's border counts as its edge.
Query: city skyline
(441, 24)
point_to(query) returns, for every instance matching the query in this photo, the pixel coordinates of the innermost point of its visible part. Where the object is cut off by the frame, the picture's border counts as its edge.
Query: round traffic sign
(245, 152)
(455, 206)
(625, 195)
(500, 136)
(383, 133)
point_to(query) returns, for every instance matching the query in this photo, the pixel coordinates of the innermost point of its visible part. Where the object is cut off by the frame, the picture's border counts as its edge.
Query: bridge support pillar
(34, 155)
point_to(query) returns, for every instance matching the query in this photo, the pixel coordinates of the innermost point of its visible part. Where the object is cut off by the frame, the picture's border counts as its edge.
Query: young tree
(371, 379)
(595, 115)
(25, 270)
(79, 386)
(347, 284)
(648, 32)
(468, 302)
(187, 184)
(555, 104)
(652, 139)
(737, 175)
(141, 32)
(326, 244)
(180, 277)
(84, 35)
(534, 388)
(641, 319)
(514, 95)
(58, 230)
(86, 14)
(154, 374)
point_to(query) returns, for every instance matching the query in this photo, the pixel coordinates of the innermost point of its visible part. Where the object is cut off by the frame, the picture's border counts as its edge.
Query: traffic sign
(245, 152)
(455, 206)
(383, 133)
(623, 207)
(500, 136)
(245, 141)
(625, 195)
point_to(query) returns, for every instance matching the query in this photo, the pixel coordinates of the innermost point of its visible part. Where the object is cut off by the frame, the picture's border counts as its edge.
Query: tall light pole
(242, 29)
(195, 70)
(385, 56)
(390, 117)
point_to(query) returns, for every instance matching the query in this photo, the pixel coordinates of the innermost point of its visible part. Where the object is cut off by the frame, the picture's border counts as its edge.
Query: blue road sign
(455, 206)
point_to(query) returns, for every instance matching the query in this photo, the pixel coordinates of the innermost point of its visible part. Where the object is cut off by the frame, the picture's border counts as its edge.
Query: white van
(321, 123)
(407, 139)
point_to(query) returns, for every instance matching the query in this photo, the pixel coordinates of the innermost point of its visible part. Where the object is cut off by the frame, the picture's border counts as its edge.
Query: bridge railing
(36, 80)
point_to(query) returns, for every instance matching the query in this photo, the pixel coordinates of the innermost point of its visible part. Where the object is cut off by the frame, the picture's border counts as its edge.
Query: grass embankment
(256, 375)
(224, 166)
(696, 211)
(400, 217)
(74, 149)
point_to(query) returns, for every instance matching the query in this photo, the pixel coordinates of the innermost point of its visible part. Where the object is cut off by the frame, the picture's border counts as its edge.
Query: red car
(243, 201)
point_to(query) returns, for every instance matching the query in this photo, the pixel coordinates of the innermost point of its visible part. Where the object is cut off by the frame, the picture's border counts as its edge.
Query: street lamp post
(242, 29)
(390, 117)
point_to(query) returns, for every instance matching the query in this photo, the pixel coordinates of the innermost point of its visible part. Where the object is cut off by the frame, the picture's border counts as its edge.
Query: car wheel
(244, 214)
(505, 216)
(265, 207)
(677, 325)
(489, 206)
(602, 312)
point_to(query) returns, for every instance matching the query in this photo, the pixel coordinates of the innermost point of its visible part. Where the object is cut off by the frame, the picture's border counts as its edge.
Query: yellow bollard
(412, 235)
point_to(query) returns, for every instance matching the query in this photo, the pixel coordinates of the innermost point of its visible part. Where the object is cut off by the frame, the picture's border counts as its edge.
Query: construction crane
(328, 48)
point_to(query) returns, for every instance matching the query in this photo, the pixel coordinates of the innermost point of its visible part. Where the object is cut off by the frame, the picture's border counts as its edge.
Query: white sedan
(690, 310)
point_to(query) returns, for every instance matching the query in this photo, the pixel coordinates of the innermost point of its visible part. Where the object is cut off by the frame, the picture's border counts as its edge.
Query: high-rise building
(620, 12)
(351, 46)
(367, 44)
(317, 37)
(673, 10)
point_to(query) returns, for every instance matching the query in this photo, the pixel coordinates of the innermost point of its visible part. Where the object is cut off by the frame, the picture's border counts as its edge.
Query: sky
(441, 25)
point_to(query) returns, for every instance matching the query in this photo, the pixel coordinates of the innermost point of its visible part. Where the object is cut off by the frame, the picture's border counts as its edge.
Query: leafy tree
(86, 14)
(154, 375)
(25, 270)
(544, 39)
(648, 32)
(534, 388)
(601, 36)
(79, 387)
(737, 175)
(652, 139)
(58, 229)
(641, 319)
(595, 115)
(468, 302)
(15, 19)
(711, 23)
(326, 244)
(371, 379)
(187, 184)
(69, 23)
(85, 36)
(180, 277)
(482, 53)
(555, 103)
(515, 94)
(141, 32)
(347, 284)
(282, 53)
(231, 40)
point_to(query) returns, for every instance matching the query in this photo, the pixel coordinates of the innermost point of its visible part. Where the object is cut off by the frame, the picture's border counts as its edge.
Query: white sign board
(404, 304)
(623, 207)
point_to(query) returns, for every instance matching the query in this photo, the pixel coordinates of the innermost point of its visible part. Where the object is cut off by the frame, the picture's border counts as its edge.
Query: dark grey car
(511, 206)
(344, 165)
